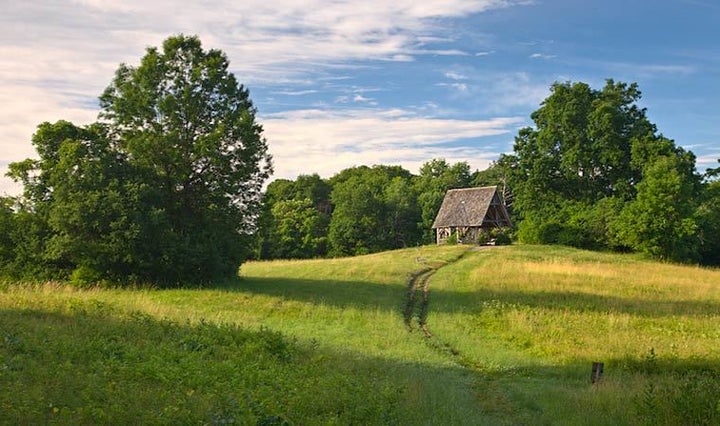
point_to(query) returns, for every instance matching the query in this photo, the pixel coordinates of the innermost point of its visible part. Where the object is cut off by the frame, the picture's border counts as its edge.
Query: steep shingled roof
(470, 207)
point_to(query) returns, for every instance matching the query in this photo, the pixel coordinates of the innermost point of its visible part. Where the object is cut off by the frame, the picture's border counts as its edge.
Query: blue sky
(345, 83)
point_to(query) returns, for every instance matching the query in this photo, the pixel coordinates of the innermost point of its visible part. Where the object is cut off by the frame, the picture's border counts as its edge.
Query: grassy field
(514, 331)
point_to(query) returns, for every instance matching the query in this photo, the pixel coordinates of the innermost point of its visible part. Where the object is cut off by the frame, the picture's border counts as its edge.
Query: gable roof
(472, 207)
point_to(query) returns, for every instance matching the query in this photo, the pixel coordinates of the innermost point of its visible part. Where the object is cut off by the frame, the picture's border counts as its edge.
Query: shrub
(483, 237)
(502, 238)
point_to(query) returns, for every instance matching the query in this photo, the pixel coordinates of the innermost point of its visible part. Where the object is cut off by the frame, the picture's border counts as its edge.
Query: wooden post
(597, 372)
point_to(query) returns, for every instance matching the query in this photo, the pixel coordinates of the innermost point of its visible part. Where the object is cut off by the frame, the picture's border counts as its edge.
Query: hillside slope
(514, 331)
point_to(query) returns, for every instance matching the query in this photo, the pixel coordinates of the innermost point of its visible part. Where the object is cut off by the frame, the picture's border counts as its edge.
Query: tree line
(359, 210)
(166, 187)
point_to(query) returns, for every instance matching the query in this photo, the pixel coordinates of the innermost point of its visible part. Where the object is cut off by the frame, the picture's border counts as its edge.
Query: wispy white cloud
(518, 89)
(22, 108)
(496, 93)
(648, 69)
(455, 75)
(263, 35)
(708, 160)
(325, 142)
(542, 56)
(441, 52)
(457, 87)
(358, 98)
(294, 92)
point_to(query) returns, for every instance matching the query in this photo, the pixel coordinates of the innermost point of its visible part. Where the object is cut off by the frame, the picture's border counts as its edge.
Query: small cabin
(469, 211)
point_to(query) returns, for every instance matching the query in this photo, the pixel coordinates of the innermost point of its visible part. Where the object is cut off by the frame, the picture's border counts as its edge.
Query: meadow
(511, 333)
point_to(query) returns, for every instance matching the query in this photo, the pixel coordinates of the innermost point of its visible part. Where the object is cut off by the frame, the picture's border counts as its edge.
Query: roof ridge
(475, 188)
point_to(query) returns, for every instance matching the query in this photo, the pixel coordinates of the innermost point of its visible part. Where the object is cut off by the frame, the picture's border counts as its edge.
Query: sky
(339, 84)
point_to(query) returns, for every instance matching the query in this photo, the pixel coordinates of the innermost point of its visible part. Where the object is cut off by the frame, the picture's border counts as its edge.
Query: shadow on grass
(98, 365)
(369, 295)
(578, 302)
(342, 294)
(93, 366)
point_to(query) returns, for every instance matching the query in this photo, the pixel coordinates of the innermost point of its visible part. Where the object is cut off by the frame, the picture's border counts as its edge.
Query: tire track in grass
(419, 287)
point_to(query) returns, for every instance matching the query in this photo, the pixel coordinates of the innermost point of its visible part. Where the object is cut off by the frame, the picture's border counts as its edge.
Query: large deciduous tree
(298, 230)
(595, 172)
(166, 186)
(708, 218)
(660, 220)
(375, 209)
(294, 219)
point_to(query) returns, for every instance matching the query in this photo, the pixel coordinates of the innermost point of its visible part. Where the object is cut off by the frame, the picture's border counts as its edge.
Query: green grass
(514, 332)
(533, 319)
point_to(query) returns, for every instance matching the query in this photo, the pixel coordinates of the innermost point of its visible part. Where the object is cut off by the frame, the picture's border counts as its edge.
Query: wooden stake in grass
(596, 372)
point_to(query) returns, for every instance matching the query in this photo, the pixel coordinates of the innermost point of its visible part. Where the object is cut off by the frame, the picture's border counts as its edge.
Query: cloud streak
(325, 142)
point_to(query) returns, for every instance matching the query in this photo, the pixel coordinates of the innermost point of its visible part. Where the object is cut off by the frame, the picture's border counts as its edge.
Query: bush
(502, 238)
(483, 237)
(84, 276)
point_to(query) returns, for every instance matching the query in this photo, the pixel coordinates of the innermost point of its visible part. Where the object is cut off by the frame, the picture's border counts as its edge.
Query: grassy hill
(510, 335)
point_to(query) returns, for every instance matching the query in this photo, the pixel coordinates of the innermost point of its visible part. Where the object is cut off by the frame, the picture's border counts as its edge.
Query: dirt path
(418, 285)
(419, 288)
(417, 307)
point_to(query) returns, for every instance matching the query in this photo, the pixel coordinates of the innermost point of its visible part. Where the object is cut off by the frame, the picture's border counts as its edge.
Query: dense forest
(167, 186)
(359, 210)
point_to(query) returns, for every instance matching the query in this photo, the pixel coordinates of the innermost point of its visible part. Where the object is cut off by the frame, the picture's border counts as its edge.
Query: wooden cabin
(469, 211)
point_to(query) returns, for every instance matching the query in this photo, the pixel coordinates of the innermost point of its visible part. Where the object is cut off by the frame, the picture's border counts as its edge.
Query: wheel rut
(417, 306)
(417, 300)
(418, 289)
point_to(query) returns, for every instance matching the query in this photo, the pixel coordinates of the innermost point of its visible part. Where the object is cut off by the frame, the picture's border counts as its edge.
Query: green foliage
(310, 187)
(687, 398)
(375, 209)
(84, 276)
(494, 175)
(501, 236)
(299, 230)
(567, 224)
(96, 364)
(496, 236)
(295, 218)
(594, 173)
(708, 220)
(362, 209)
(483, 238)
(660, 220)
(7, 229)
(164, 189)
